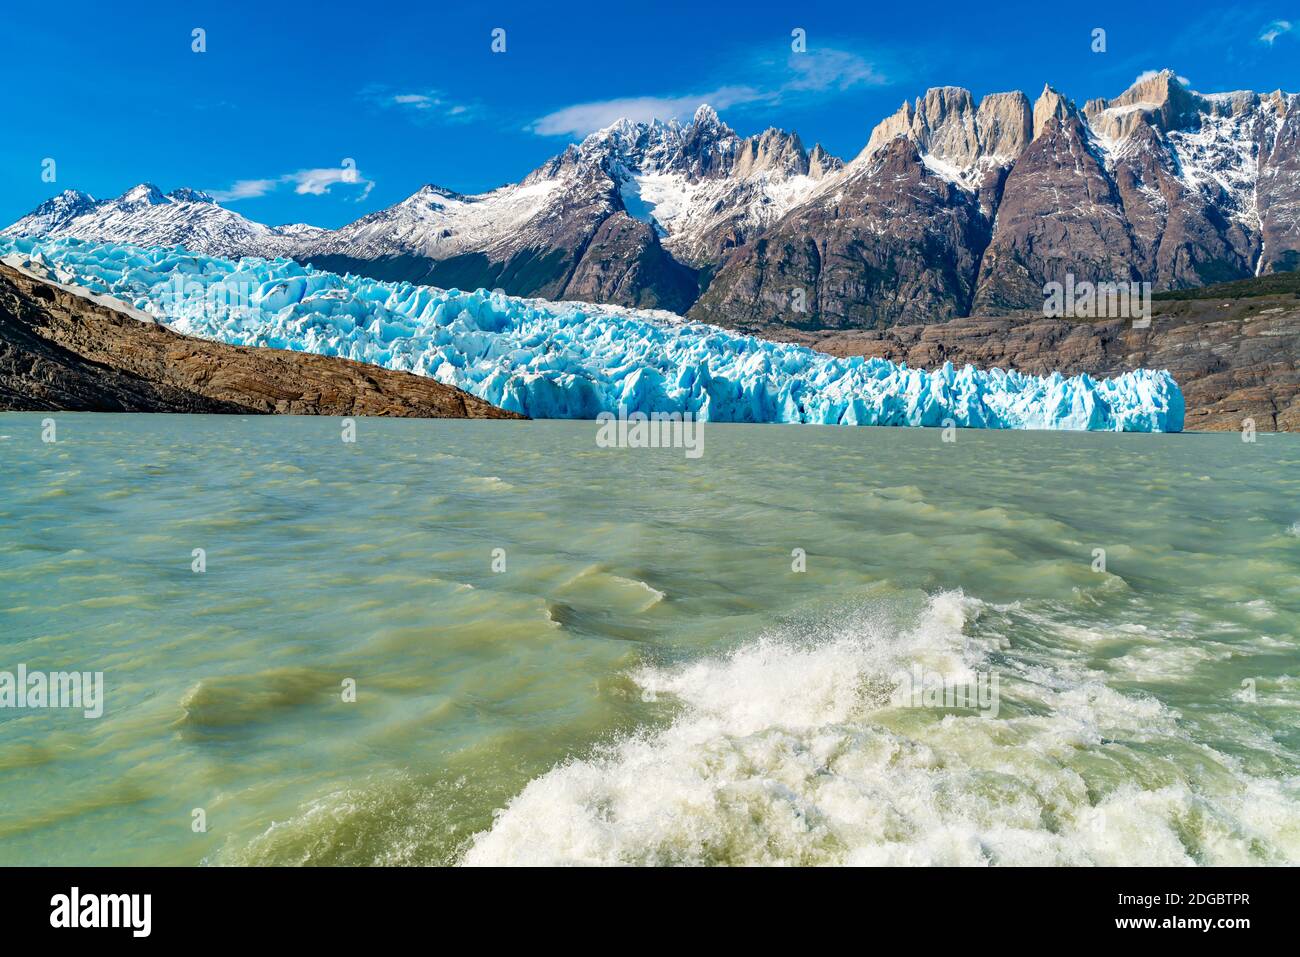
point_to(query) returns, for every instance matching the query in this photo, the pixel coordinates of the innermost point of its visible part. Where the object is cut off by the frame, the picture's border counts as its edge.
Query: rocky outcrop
(1279, 190)
(1060, 213)
(1006, 125)
(624, 263)
(891, 242)
(821, 163)
(772, 150)
(61, 350)
(1050, 106)
(946, 124)
(1158, 100)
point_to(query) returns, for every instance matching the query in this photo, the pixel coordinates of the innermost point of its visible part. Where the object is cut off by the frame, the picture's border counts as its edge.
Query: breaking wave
(791, 750)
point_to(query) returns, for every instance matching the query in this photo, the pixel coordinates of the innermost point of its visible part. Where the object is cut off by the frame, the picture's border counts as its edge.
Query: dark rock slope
(892, 235)
(61, 351)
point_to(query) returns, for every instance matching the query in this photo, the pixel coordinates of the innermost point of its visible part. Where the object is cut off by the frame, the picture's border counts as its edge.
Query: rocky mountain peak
(70, 197)
(431, 191)
(946, 124)
(55, 212)
(1158, 99)
(187, 195)
(706, 115)
(703, 147)
(553, 166)
(822, 163)
(1155, 89)
(68, 201)
(899, 123)
(1050, 105)
(709, 147)
(1006, 124)
(146, 194)
(774, 151)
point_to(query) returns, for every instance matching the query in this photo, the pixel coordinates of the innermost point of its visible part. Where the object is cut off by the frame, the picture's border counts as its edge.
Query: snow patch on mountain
(689, 212)
(1220, 161)
(966, 178)
(439, 223)
(702, 185)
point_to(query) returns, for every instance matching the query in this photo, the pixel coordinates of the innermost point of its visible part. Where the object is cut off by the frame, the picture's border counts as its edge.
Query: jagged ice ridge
(575, 360)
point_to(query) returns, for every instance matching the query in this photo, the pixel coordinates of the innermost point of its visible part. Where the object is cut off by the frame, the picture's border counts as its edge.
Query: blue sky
(413, 93)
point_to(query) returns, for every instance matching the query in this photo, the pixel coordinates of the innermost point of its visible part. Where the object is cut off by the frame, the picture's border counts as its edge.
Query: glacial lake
(458, 642)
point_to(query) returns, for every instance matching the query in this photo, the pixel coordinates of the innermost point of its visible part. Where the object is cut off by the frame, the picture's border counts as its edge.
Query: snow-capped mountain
(144, 215)
(956, 208)
(703, 187)
(953, 205)
(50, 218)
(626, 216)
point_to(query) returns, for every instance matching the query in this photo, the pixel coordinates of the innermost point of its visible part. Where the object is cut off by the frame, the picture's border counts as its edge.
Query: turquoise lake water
(570, 654)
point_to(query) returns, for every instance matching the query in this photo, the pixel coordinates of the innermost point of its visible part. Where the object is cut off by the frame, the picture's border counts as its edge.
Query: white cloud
(245, 189)
(800, 74)
(317, 182)
(420, 105)
(1274, 30)
(583, 118)
(828, 69)
(306, 182)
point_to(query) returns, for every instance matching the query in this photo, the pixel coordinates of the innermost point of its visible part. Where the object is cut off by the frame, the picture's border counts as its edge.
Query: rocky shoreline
(61, 350)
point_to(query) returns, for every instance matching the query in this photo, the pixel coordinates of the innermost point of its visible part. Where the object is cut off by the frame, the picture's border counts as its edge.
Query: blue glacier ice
(575, 360)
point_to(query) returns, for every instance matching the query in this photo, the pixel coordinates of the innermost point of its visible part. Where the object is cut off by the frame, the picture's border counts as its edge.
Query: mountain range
(953, 207)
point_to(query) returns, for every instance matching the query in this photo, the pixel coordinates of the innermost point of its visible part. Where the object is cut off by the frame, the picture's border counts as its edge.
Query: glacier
(576, 360)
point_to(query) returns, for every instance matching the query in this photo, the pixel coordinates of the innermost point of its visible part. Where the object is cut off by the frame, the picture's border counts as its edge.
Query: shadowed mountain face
(64, 351)
(953, 207)
(890, 235)
(1060, 213)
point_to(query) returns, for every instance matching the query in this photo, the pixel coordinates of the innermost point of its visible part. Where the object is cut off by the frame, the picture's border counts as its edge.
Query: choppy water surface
(647, 680)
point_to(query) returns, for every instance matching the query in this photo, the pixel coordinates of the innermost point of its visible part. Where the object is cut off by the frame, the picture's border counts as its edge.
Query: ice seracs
(572, 360)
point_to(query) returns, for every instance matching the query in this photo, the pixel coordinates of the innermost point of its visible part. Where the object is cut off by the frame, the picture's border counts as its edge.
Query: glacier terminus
(550, 359)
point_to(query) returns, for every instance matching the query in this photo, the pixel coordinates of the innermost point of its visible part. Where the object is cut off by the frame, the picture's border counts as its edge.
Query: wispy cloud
(583, 118)
(1151, 74)
(828, 69)
(419, 105)
(1274, 30)
(305, 182)
(815, 72)
(244, 189)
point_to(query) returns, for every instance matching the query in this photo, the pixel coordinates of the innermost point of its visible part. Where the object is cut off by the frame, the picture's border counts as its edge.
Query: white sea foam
(789, 751)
